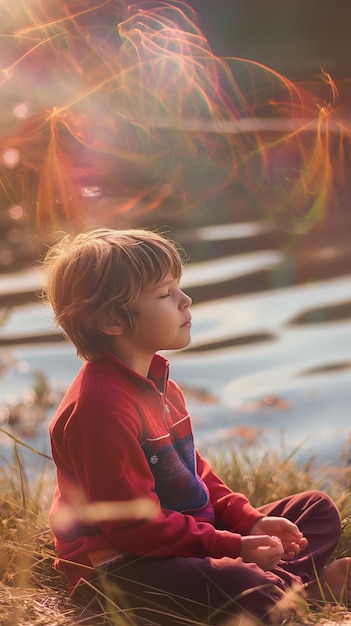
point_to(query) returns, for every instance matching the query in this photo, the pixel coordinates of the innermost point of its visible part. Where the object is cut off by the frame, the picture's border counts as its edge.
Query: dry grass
(33, 593)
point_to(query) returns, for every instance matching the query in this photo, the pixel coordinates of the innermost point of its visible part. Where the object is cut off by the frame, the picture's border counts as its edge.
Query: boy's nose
(187, 300)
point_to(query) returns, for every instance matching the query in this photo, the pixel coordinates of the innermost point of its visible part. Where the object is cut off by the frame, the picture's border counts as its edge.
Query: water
(269, 363)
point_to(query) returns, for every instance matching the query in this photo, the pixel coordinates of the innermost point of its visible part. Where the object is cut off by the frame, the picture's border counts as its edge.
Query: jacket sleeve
(233, 511)
(110, 467)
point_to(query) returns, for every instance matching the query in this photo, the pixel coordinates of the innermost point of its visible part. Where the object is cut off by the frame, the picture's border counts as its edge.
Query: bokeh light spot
(10, 157)
(16, 212)
(21, 110)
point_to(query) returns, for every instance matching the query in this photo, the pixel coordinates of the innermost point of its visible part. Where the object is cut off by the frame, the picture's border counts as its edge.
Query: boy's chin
(185, 344)
(180, 345)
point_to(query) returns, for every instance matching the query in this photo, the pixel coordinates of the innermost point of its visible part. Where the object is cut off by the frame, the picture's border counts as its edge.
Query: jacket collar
(158, 372)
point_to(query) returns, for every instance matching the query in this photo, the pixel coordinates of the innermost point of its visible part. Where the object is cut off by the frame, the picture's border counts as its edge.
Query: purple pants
(211, 590)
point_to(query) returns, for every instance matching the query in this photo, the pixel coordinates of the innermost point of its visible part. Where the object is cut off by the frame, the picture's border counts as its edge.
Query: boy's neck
(136, 362)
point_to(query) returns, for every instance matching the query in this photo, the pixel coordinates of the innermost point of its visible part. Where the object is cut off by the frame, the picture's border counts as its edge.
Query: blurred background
(226, 125)
(293, 37)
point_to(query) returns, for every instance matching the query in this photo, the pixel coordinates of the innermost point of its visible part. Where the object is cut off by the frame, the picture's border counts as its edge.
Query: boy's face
(162, 317)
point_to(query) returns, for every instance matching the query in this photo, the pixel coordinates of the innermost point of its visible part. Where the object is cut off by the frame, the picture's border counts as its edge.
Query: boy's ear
(117, 328)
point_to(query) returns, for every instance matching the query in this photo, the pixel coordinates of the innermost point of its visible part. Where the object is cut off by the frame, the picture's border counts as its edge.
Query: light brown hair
(97, 276)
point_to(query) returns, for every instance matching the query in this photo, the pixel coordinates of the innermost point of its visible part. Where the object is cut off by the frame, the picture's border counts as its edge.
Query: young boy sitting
(135, 503)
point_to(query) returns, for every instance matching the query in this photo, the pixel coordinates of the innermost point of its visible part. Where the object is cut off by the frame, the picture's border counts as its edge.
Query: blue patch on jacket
(173, 467)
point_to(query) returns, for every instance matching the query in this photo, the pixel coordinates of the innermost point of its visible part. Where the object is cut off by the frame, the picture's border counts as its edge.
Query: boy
(135, 503)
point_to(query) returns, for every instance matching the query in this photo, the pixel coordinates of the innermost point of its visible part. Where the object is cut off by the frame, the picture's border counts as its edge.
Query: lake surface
(269, 364)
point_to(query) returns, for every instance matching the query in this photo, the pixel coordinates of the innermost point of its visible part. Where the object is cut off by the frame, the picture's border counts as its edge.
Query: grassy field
(33, 593)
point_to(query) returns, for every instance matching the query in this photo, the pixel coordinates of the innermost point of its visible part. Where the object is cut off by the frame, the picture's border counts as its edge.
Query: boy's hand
(291, 537)
(264, 550)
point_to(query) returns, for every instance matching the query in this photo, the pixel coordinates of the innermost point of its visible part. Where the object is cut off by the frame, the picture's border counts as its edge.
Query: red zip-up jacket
(117, 437)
